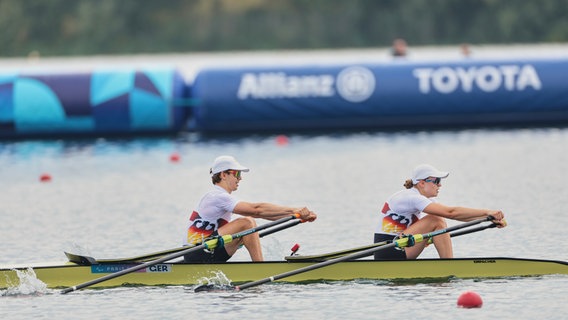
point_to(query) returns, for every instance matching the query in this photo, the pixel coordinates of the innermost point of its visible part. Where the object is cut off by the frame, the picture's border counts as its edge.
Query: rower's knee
(247, 223)
(436, 223)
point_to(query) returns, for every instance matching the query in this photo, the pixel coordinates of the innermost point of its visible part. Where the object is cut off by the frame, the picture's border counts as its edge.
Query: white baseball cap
(223, 163)
(424, 171)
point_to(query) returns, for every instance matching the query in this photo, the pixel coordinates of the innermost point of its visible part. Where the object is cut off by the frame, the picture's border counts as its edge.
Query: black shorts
(389, 253)
(203, 256)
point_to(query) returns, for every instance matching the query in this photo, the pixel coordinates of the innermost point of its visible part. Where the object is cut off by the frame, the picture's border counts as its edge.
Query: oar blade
(214, 288)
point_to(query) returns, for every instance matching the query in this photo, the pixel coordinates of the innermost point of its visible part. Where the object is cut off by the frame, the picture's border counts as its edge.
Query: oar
(336, 254)
(87, 261)
(209, 244)
(400, 243)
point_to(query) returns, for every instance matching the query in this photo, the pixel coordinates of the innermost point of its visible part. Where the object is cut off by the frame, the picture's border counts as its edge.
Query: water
(315, 301)
(112, 198)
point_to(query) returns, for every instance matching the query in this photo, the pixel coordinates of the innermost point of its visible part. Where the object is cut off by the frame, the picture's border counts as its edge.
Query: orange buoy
(45, 177)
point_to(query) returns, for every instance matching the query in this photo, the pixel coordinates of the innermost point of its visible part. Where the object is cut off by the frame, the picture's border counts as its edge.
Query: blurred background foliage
(89, 27)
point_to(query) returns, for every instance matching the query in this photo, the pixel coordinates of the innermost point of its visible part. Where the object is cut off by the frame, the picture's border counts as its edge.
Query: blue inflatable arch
(387, 95)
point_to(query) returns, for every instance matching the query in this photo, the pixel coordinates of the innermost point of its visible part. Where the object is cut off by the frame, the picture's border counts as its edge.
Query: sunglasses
(434, 180)
(236, 173)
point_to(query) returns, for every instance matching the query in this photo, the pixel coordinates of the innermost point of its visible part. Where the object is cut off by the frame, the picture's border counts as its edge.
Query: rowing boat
(157, 268)
(57, 275)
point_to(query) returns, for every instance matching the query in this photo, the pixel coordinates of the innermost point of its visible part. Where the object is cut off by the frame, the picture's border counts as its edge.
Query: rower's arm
(271, 211)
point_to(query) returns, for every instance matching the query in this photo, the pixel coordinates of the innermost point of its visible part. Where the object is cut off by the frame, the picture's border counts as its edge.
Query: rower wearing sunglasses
(414, 210)
(213, 215)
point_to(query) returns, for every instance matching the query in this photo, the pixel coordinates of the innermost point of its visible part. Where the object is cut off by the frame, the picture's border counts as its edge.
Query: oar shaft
(264, 226)
(457, 227)
(468, 231)
(401, 243)
(472, 230)
(326, 263)
(279, 228)
(210, 244)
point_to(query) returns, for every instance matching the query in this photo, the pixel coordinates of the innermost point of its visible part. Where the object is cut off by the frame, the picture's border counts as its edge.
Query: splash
(218, 282)
(29, 284)
(217, 278)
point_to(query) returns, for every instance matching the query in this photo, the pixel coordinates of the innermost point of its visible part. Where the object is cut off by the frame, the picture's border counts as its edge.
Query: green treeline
(86, 27)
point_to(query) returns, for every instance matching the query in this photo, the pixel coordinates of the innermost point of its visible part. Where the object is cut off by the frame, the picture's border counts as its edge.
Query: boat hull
(70, 274)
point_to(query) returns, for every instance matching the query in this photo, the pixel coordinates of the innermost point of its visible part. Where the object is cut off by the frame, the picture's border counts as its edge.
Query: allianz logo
(357, 84)
(354, 84)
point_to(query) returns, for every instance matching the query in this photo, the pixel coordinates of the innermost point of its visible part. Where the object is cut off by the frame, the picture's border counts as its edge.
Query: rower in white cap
(213, 215)
(414, 210)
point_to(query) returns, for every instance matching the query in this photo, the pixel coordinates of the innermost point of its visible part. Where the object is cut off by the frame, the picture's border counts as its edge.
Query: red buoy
(470, 299)
(45, 177)
(175, 157)
(281, 140)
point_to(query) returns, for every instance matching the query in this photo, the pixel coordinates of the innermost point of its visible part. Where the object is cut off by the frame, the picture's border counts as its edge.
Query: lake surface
(113, 198)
